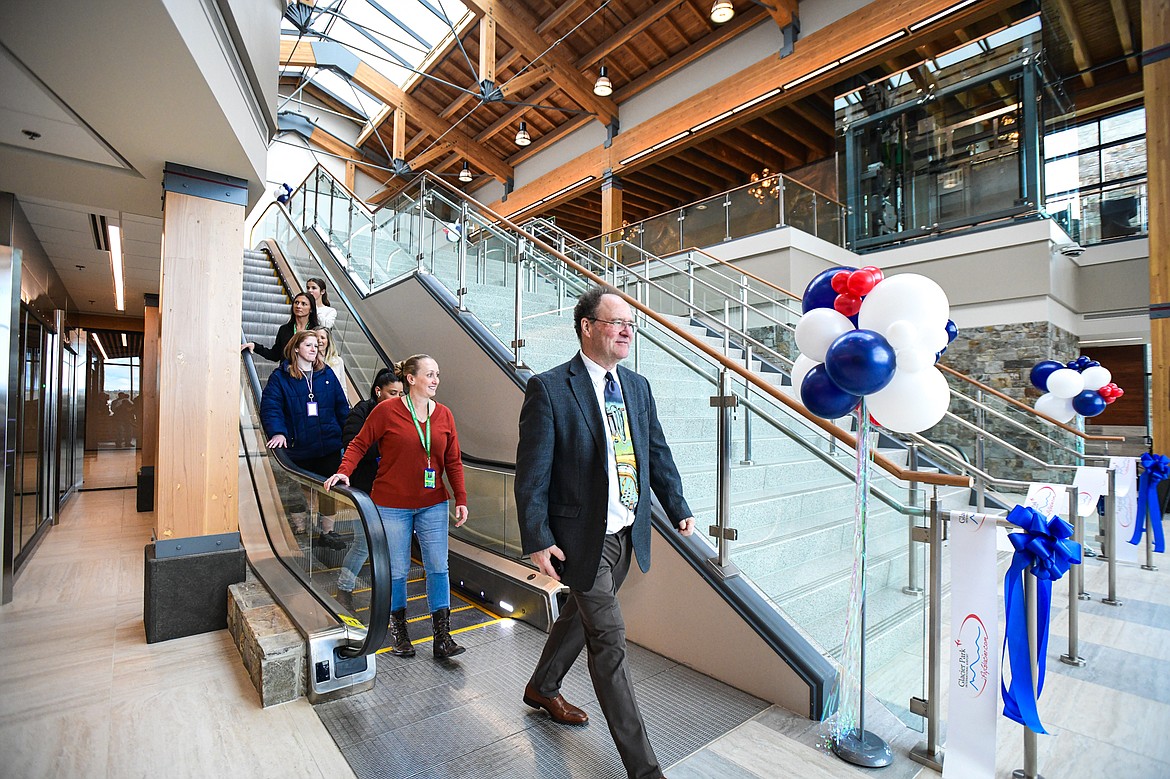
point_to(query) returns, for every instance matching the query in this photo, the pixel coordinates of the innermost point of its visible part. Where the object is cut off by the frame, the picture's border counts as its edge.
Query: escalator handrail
(377, 543)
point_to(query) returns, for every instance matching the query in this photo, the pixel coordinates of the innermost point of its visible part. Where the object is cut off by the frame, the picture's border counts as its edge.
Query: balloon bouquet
(863, 335)
(1081, 386)
(871, 343)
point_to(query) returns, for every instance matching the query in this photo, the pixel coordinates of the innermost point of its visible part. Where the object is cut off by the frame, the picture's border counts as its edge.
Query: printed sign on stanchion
(1125, 514)
(975, 641)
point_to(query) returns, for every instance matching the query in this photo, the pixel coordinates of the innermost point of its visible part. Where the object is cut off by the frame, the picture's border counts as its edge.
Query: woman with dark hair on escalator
(386, 386)
(302, 410)
(303, 317)
(418, 443)
(326, 314)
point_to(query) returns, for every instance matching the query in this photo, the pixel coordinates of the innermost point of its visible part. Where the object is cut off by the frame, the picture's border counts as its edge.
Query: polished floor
(83, 695)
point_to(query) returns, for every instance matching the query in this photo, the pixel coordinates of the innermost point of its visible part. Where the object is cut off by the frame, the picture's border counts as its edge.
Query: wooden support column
(1156, 77)
(611, 204)
(487, 47)
(399, 144)
(196, 554)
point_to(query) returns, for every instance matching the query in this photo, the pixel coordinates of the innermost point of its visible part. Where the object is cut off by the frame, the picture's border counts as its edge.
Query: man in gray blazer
(591, 452)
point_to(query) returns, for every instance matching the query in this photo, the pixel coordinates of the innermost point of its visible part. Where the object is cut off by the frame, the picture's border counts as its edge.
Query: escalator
(461, 717)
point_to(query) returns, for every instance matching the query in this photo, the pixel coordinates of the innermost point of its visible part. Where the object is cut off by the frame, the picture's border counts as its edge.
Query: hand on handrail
(337, 478)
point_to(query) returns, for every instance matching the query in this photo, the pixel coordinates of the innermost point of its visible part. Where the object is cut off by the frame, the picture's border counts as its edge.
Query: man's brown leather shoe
(558, 708)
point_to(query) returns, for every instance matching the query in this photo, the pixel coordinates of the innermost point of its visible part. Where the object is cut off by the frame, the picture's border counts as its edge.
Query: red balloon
(1118, 392)
(861, 282)
(839, 281)
(847, 304)
(876, 272)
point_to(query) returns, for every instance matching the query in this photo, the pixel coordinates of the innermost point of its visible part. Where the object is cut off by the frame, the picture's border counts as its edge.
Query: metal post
(726, 327)
(724, 535)
(463, 232)
(912, 586)
(1030, 769)
(980, 454)
(747, 414)
(691, 280)
(349, 234)
(1111, 538)
(1148, 565)
(1074, 576)
(931, 754)
(1079, 537)
(517, 340)
(374, 251)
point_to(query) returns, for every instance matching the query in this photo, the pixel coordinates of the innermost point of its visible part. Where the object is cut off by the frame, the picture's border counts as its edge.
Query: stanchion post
(1111, 537)
(1149, 533)
(1030, 769)
(930, 754)
(1079, 537)
(912, 586)
(1075, 573)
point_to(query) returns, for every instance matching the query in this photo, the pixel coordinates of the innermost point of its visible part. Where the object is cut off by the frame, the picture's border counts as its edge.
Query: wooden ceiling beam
(824, 123)
(679, 189)
(794, 127)
(1125, 32)
(300, 53)
(681, 168)
(728, 174)
(649, 199)
(783, 12)
(517, 24)
(487, 46)
(627, 31)
(1080, 48)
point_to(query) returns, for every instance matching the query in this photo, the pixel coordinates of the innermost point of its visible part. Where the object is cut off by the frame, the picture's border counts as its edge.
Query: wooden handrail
(945, 368)
(921, 477)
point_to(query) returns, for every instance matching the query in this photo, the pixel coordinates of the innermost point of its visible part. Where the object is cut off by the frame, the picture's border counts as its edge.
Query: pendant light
(465, 173)
(603, 87)
(522, 136)
(722, 11)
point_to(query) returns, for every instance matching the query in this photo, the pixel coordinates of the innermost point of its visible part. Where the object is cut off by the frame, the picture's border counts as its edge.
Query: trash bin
(146, 488)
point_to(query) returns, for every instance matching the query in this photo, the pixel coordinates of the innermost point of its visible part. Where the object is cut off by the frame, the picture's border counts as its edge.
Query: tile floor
(83, 695)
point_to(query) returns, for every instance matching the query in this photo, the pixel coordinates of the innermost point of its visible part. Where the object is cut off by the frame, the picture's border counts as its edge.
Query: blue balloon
(1088, 403)
(1041, 371)
(820, 293)
(824, 398)
(861, 362)
(952, 331)
(938, 355)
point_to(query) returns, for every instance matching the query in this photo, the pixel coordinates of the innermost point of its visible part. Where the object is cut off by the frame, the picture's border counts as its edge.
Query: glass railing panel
(748, 214)
(705, 222)
(492, 523)
(662, 234)
(294, 508)
(830, 220)
(800, 207)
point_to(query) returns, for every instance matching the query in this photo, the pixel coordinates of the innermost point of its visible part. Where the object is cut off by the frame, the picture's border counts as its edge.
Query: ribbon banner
(1045, 551)
(1155, 468)
(974, 670)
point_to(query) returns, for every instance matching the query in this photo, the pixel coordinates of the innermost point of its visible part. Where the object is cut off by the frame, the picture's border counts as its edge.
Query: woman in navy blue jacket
(303, 409)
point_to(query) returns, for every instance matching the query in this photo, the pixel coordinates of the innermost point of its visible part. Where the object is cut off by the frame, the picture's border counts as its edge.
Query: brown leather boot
(444, 646)
(400, 635)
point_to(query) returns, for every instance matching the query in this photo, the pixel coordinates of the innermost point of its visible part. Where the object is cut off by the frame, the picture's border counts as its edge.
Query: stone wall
(271, 647)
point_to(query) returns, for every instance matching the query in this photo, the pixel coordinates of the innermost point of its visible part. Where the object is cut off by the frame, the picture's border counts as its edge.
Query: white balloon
(934, 341)
(1096, 377)
(911, 402)
(817, 329)
(914, 360)
(907, 296)
(902, 335)
(1060, 409)
(1065, 383)
(800, 369)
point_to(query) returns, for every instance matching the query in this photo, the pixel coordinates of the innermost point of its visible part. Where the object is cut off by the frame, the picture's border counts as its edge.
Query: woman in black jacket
(386, 386)
(303, 317)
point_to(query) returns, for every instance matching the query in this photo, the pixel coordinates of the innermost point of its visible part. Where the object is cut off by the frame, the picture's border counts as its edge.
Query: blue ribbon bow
(1155, 468)
(1043, 550)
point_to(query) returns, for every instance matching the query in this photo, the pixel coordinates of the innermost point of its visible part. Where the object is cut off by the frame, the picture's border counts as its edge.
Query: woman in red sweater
(418, 443)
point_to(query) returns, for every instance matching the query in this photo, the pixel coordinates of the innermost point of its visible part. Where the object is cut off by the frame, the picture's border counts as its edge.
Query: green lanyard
(425, 441)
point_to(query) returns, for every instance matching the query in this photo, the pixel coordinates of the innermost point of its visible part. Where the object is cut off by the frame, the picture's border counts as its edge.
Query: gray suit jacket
(562, 483)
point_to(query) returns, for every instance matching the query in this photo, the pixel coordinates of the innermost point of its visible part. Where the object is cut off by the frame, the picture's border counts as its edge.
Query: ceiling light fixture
(465, 173)
(102, 349)
(941, 14)
(722, 11)
(603, 87)
(116, 265)
(522, 136)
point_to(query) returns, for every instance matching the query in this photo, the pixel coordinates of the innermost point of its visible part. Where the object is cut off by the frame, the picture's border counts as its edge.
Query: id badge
(312, 407)
(429, 478)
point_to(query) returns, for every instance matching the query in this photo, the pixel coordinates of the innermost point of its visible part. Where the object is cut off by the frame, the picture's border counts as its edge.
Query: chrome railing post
(781, 216)
(930, 753)
(1030, 769)
(518, 340)
(461, 293)
(913, 587)
(1111, 538)
(726, 327)
(980, 454)
(1075, 575)
(747, 413)
(727, 217)
(316, 197)
(349, 234)
(724, 402)
(373, 251)
(1148, 565)
(691, 280)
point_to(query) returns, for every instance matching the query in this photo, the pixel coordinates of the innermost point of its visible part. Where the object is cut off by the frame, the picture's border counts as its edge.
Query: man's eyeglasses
(618, 323)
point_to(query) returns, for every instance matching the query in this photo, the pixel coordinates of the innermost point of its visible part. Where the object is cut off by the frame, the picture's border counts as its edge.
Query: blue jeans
(355, 558)
(430, 525)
